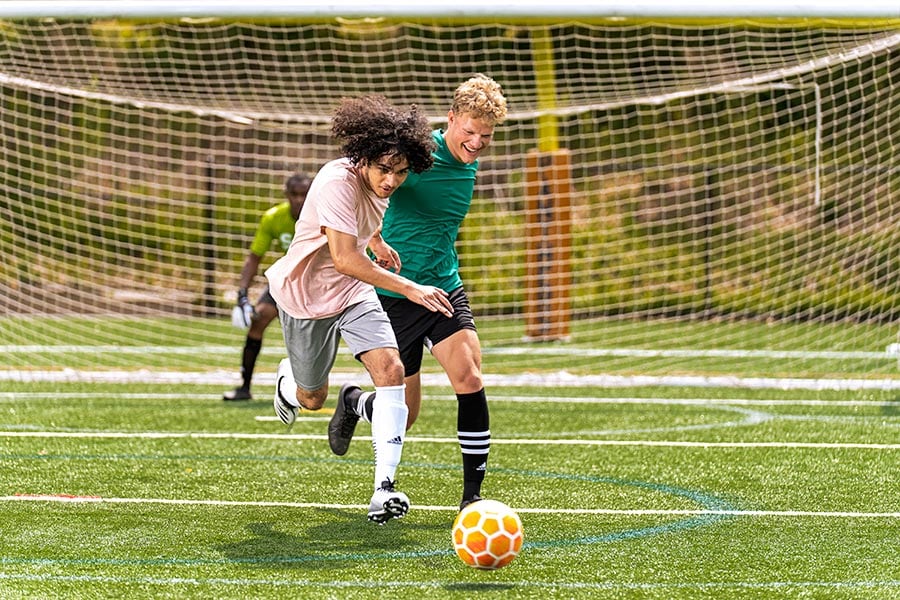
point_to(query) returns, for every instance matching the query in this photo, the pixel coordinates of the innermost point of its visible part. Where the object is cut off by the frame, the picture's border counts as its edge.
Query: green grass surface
(613, 346)
(628, 493)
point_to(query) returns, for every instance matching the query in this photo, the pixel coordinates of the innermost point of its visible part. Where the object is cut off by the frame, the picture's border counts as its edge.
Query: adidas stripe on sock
(474, 435)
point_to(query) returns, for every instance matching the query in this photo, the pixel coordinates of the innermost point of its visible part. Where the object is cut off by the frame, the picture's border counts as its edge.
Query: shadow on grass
(334, 539)
(891, 409)
(478, 587)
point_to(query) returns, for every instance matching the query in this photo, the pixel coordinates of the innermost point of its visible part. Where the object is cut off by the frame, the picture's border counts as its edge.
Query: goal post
(679, 188)
(548, 235)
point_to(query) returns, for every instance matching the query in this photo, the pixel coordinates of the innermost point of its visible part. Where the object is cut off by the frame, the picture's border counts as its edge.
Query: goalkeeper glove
(243, 313)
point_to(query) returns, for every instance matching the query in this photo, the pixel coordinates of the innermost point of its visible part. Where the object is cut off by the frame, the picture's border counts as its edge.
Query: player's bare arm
(349, 261)
(385, 256)
(249, 271)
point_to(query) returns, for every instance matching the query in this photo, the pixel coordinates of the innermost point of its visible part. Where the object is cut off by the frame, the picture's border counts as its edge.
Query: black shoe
(237, 393)
(343, 422)
(468, 501)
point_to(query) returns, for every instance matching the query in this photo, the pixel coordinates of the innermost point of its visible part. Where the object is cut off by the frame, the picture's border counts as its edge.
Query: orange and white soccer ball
(487, 534)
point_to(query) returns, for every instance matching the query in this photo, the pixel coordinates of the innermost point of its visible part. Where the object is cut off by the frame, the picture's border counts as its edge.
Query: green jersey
(423, 218)
(276, 224)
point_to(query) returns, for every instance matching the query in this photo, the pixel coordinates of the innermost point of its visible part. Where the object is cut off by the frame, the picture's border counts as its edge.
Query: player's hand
(242, 314)
(384, 255)
(433, 298)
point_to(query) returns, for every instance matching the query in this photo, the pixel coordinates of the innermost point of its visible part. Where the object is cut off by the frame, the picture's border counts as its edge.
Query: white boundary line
(338, 588)
(553, 379)
(575, 511)
(164, 435)
(496, 351)
(495, 397)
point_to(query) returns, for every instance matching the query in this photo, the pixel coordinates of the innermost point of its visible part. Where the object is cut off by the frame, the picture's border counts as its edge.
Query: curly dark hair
(370, 127)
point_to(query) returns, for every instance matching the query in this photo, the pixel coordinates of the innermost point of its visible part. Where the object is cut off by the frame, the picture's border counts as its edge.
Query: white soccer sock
(284, 379)
(388, 430)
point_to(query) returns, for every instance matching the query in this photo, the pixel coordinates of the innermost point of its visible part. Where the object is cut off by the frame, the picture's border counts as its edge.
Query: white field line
(553, 379)
(574, 511)
(449, 397)
(163, 435)
(337, 588)
(499, 351)
(671, 401)
(274, 419)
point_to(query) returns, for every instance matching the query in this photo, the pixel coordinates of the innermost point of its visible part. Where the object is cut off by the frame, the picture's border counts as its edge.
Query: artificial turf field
(164, 491)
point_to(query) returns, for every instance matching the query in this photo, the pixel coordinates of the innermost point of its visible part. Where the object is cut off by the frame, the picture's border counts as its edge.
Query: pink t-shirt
(304, 281)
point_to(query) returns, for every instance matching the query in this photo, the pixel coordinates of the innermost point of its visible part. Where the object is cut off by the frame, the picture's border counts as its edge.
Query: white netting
(726, 199)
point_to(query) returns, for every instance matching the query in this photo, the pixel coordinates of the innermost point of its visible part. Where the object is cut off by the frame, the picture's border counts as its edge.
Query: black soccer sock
(369, 407)
(474, 434)
(248, 361)
(361, 403)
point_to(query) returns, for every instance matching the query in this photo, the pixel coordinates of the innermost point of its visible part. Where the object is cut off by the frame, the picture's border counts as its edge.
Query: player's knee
(469, 381)
(384, 365)
(394, 371)
(392, 367)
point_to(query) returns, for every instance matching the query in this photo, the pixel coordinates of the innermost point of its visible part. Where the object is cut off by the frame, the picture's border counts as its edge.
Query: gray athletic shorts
(312, 344)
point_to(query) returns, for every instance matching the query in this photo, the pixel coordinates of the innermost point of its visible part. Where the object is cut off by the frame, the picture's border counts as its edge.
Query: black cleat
(468, 501)
(343, 422)
(237, 393)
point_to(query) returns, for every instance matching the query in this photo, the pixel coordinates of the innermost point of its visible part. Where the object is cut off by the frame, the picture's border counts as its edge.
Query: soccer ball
(487, 534)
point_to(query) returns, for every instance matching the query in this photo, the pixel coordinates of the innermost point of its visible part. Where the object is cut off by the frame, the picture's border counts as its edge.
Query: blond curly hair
(480, 97)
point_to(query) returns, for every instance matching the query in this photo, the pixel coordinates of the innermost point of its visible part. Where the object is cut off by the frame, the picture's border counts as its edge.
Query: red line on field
(63, 497)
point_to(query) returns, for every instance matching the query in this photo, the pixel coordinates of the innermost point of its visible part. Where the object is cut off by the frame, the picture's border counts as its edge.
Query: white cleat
(387, 503)
(284, 408)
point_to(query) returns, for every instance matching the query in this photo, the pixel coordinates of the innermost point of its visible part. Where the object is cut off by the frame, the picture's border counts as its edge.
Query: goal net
(669, 198)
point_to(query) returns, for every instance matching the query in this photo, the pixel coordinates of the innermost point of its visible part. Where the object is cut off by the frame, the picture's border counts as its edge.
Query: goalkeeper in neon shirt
(276, 225)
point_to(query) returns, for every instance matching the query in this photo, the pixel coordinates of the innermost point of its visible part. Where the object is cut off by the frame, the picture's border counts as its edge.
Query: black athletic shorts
(417, 327)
